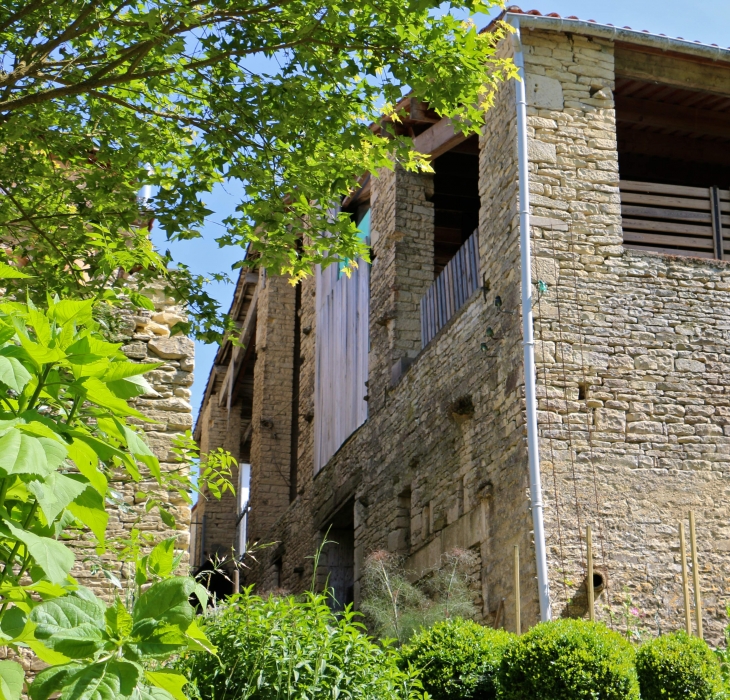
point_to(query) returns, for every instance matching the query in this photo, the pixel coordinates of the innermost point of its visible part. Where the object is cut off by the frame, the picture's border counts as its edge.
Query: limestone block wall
(632, 364)
(146, 335)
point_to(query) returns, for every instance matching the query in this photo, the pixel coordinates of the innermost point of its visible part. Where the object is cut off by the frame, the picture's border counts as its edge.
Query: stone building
(390, 408)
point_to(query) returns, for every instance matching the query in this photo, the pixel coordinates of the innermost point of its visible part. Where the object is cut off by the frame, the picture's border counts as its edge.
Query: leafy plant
(457, 659)
(64, 434)
(678, 666)
(270, 97)
(296, 649)
(569, 660)
(396, 608)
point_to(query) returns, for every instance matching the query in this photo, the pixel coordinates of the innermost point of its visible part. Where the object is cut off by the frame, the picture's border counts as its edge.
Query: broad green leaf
(52, 680)
(119, 621)
(162, 558)
(167, 601)
(123, 370)
(90, 349)
(54, 558)
(13, 374)
(55, 493)
(170, 681)
(72, 625)
(130, 387)
(26, 454)
(152, 693)
(68, 310)
(11, 680)
(135, 443)
(87, 462)
(39, 354)
(201, 593)
(41, 325)
(97, 392)
(48, 656)
(89, 508)
(8, 272)
(198, 641)
(13, 622)
(102, 681)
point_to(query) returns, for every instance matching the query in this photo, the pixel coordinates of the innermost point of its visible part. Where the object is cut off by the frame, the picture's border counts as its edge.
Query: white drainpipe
(533, 450)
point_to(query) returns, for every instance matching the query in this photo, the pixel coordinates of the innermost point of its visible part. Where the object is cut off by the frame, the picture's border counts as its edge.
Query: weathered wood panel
(651, 212)
(341, 370)
(450, 290)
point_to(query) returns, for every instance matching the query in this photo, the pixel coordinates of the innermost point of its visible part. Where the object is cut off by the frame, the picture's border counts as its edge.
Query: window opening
(674, 165)
(339, 556)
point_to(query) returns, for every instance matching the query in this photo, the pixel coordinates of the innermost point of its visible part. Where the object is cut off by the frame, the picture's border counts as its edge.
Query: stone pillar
(272, 406)
(402, 232)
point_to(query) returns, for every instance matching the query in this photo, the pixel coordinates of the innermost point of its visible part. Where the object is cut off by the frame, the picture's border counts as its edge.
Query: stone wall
(633, 353)
(634, 416)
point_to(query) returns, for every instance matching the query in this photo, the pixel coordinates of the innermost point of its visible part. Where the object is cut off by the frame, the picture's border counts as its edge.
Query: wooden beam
(679, 70)
(670, 116)
(234, 366)
(438, 139)
(674, 147)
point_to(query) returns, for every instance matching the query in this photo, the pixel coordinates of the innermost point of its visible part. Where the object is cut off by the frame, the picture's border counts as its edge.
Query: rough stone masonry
(632, 368)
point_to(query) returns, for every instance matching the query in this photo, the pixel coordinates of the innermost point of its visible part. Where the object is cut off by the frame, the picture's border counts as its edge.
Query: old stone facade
(631, 331)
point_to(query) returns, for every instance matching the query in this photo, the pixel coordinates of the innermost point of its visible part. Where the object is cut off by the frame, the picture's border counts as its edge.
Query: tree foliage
(98, 97)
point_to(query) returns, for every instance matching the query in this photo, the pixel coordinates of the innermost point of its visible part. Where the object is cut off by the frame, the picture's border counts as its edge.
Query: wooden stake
(695, 575)
(685, 580)
(589, 581)
(518, 612)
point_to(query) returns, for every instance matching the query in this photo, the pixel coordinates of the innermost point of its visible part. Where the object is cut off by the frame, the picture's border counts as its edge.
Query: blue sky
(707, 21)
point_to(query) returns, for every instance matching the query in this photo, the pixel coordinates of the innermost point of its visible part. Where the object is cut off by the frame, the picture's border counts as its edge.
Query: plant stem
(75, 405)
(39, 388)
(16, 547)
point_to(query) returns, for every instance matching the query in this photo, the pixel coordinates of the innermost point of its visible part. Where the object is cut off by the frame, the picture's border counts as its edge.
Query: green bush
(678, 667)
(291, 648)
(569, 660)
(457, 659)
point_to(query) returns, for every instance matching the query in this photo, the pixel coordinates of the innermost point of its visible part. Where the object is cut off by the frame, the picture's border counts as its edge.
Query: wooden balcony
(451, 289)
(676, 220)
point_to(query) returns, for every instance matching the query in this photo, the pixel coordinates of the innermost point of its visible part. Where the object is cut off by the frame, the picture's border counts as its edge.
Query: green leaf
(11, 680)
(67, 310)
(170, 681)
(152, 693)
(89, 508)
(13, 374)
(26, 454)
(198, 641)
(12, 623)
(142, 301)
(101, 681)
(97, 392)
(87, 462)
(38, 354)
(118, 620)
(90, 349)
(8, 272)
(202, 594)
(167, 517)
(72, 625)
(167, 601)
(54, 558)
(52, 680)
(136, 445)
(162, 558)
(130, 387)
(55, 493)
(123, 370)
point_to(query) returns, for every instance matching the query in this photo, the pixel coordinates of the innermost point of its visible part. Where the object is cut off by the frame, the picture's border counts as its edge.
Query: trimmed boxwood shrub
(678, 667)
(457, 659)
(569, 660)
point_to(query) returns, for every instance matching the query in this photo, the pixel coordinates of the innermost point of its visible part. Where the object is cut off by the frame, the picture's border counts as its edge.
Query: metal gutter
(630, 36)
(528, 338)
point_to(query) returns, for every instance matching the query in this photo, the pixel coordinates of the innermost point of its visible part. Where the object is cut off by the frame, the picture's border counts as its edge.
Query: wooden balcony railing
(450, 290)
(675, 219)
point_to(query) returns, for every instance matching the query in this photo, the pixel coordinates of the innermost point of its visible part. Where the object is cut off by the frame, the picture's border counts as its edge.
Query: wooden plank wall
(450, 290)
(675, 219)
(341, 371)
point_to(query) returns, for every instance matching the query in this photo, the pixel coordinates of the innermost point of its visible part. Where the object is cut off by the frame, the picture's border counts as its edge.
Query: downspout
(528, 342)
